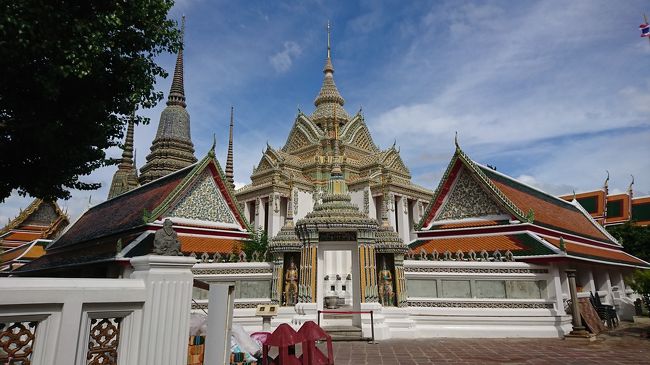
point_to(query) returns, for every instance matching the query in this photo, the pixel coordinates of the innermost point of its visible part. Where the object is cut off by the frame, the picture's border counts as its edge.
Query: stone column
(166, 313)
(578, 328)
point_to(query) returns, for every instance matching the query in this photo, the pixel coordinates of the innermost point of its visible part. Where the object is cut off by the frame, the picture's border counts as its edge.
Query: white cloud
(283, 60)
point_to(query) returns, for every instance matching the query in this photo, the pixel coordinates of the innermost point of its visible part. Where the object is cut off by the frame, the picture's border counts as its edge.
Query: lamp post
(578, 329)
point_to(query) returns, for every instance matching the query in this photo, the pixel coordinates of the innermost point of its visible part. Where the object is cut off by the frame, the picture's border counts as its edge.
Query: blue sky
(551, 92)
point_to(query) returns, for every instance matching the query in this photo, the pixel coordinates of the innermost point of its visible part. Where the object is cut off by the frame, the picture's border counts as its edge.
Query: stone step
(344, 333)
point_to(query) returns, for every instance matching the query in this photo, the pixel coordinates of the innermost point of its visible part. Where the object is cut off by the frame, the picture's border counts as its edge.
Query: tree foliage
(258, 242)
(639, 281)
(635, 239)
(72, 72)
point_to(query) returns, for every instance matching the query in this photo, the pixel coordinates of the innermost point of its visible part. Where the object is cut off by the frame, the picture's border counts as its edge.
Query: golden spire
(329, 98)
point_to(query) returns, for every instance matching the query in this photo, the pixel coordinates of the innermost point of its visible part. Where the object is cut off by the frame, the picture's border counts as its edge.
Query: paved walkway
(624, 346)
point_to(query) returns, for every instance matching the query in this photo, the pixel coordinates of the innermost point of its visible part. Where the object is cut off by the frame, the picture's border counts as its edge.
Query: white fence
(140, 320)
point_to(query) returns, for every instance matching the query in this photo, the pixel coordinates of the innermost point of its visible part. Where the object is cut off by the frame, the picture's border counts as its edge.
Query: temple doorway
(338, 287)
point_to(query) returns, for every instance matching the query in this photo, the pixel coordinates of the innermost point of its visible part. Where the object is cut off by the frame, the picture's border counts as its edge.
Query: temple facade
(305, 162)
(483, 256)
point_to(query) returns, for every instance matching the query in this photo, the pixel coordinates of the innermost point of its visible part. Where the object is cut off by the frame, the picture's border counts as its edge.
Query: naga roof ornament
(172, 148)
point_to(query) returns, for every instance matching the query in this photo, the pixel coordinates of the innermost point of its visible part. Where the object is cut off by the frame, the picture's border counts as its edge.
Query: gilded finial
(606, 185)
(629, 189)
(562, 244)
(456, 140)
(574, 194)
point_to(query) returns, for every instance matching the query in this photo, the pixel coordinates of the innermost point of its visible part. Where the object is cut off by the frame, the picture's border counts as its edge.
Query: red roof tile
(502, 243)
(596, 252)
(549, 211)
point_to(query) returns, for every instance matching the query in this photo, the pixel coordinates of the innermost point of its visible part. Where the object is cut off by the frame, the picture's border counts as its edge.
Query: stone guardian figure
(386, 295)
(290, 284)
(165, 241)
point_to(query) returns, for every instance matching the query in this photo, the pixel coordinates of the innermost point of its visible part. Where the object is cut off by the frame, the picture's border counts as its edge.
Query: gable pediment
(467, 199)
(204, 201)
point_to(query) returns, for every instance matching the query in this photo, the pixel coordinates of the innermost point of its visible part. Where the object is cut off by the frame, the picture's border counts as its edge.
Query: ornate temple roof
(24, 238)
(611, 209)
(476, 208)
(126, 176)
(336, 210)
(329, 101)
(40, 220)
(197, 200)
(172, 148)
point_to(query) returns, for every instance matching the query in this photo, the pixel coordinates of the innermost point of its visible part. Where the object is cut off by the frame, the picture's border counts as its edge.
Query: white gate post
(220, 309)
(166, 313)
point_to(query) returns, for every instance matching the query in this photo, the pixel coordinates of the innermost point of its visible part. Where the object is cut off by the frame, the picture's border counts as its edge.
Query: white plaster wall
(372, 207)
(357, 198)
(305, 204)
(401, 206)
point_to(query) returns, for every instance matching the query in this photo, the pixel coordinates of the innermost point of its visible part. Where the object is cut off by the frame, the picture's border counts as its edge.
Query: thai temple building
(483, 256)
(25, 237)
(305, 163)
(612, 209)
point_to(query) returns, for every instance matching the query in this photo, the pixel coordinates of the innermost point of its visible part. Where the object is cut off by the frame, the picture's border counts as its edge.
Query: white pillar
(166, 313)
(220, 309)
(402, 207)
(555, 289)
(275, 219)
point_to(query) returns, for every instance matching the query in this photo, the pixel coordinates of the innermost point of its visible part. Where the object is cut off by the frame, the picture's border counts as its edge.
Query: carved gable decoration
(44, 215)
(264, 164)
(360, 137)
(467, 199)
(395, 162)
(204, 201)
(297, 140)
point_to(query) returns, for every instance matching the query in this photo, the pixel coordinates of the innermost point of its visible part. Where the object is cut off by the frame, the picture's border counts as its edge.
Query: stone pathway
(624, 346)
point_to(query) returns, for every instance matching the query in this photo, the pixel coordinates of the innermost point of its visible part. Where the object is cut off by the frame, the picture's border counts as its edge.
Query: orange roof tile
(23, 236)
(476, 243)
(595, 251)
(200, 244)
(555, 214)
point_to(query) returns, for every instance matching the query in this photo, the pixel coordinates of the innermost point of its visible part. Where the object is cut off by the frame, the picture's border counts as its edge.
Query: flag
(645, 30)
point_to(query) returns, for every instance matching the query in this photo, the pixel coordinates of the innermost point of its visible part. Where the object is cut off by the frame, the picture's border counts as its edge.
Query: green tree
(258, 242)
(72, 72)
(635, 239)
(639, 281)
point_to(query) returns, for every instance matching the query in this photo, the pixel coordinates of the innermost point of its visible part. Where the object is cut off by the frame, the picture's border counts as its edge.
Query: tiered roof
(25, 237)
(610, 209)
(197, 199)
(476, 208)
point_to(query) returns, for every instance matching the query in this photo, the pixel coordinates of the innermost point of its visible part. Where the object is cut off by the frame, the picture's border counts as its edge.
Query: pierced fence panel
(17, 342)
(103, 341)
